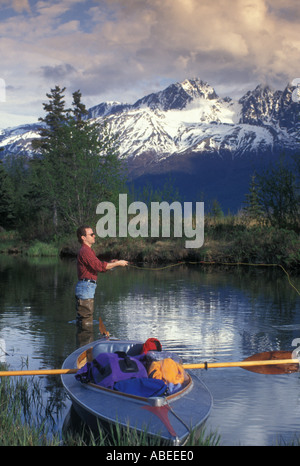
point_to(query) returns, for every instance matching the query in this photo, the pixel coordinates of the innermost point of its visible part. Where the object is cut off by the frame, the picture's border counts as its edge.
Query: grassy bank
(226, 240)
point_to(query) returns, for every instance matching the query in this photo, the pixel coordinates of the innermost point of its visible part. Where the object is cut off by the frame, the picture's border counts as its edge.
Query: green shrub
(42, 249)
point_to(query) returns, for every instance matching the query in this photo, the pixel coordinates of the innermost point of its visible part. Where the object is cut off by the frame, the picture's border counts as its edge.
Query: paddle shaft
(185, 366)
(38, 372)
(240, 364)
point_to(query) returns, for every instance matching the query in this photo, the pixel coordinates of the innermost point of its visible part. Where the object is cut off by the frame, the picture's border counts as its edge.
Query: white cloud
(18, 5)
(122, 49)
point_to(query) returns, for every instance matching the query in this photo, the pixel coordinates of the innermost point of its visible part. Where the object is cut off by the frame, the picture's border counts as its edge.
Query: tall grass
(124, 436)
(40, 249)
(18, 398)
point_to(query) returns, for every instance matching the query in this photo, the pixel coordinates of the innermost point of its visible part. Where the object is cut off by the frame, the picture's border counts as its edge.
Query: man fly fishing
(88, 267)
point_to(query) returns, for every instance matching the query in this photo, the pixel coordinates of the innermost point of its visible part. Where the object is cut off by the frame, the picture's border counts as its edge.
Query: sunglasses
(91, 234)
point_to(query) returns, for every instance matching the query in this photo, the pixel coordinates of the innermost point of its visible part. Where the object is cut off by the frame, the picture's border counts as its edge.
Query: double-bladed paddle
(270, 362)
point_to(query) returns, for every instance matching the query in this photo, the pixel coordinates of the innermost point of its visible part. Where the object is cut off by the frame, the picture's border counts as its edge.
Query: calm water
(201, 313)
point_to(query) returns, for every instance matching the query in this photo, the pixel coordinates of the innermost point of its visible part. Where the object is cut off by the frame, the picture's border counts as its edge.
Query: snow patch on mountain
(190, 117)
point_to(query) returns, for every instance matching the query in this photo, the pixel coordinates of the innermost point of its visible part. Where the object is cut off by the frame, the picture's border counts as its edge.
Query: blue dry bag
(142, 387)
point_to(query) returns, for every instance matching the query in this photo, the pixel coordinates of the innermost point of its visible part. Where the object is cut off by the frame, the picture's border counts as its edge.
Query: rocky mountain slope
(209, 145)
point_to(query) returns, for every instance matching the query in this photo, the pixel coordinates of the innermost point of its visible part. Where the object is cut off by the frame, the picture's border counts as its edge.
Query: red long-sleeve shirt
(88, 265)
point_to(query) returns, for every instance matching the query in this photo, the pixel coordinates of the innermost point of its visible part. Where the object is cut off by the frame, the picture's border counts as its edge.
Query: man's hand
(123, 263)
(116, 263)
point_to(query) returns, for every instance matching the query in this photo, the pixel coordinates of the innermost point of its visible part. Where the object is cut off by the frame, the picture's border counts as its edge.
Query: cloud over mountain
(125, 49)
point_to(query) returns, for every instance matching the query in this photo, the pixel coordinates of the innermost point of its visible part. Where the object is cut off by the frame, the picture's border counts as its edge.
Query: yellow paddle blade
(102, 328)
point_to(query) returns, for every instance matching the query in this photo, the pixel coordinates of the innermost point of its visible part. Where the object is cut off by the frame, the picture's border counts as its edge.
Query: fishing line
(217, 263)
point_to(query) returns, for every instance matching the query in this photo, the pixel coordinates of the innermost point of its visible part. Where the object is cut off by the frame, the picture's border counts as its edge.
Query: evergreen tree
(253, 209)
(275, 195)
(7, 216)
(79, 165)
(56, 117)
(216, 210)
(79, 109)
(50, 146)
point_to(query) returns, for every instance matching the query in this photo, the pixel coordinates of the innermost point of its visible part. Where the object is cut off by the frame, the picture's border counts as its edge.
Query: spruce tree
(50, 146)
(253, 209)
(79, 109)
(274, 195)
(79, 162)
(7, 214)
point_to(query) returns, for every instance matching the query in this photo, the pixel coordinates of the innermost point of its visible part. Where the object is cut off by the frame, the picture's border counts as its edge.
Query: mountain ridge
(188, 131)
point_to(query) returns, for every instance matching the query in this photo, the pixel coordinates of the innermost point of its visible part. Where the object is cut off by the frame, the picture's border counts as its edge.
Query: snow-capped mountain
(207, 142)
(189, 116)
(17, 140)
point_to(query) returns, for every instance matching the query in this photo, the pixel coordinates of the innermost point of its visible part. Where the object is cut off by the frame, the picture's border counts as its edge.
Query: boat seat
(131, 348)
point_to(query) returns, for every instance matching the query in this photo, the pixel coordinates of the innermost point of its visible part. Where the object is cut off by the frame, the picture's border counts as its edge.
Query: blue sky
(124, 49)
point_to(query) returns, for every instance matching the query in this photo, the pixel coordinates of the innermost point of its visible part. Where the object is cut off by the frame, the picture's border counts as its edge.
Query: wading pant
(84, 312)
